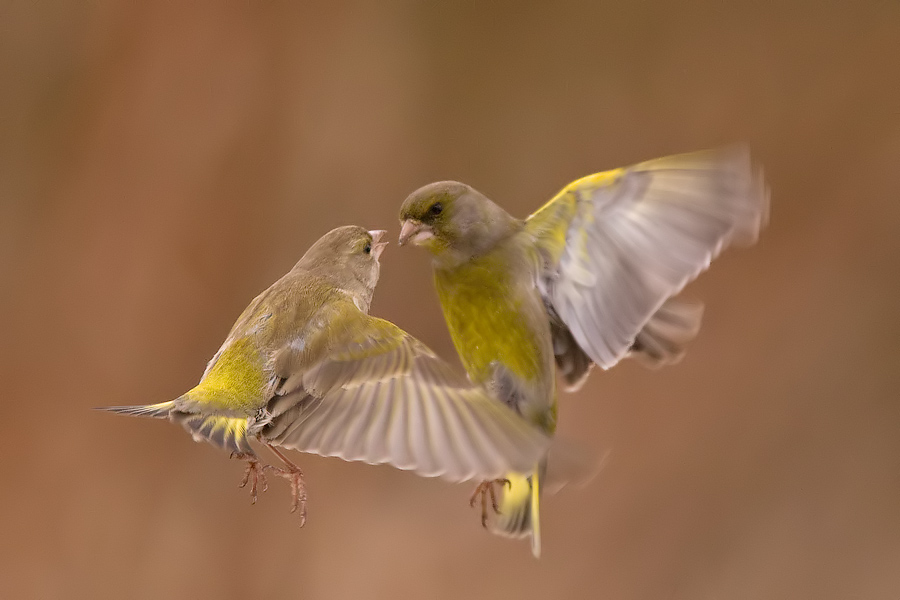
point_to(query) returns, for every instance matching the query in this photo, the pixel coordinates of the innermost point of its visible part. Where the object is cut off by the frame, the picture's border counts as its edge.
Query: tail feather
(536, 515)
(228, 433)
(157, 411)
(520, 510)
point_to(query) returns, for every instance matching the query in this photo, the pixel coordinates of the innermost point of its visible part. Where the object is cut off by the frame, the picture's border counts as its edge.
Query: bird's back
(241, 377)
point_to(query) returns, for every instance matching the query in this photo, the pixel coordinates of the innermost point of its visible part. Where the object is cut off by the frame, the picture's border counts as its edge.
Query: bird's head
(348, 257)
(453, 220)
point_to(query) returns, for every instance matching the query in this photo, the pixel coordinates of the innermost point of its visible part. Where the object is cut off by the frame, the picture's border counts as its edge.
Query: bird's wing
(616, 245)
(383, 397)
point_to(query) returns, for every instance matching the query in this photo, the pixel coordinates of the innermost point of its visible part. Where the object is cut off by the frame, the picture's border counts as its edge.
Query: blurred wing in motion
(616, 245)
(384, 397)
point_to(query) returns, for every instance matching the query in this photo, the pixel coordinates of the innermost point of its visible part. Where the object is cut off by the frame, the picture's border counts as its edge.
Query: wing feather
(618, 244)
(449, 423)
(383, 397)
(354, 440)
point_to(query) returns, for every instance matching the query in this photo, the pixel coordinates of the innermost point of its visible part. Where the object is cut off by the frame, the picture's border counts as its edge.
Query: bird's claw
(254, 474)
(485, 489)
(298, 488)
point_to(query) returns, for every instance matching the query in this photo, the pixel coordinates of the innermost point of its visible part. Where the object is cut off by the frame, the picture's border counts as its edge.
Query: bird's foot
(485, 489)
(298, 488)
(254, 474)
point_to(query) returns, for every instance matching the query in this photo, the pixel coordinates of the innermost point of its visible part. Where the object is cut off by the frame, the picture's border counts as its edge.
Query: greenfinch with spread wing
(587, 279)
(305, 367)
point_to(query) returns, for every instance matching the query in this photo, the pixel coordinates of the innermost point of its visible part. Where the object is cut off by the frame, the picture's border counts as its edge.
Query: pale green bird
(585, 280)
(305, 367)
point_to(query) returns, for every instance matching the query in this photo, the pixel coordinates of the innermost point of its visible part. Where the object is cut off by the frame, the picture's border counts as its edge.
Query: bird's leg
(485, 489)
(294, 475)
(254, 474)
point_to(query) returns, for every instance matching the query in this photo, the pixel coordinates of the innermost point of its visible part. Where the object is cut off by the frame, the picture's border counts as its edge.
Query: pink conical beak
(407, 230)
(415, 232)
(377, 246)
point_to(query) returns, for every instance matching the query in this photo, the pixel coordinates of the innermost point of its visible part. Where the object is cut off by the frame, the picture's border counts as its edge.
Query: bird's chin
(422, 237)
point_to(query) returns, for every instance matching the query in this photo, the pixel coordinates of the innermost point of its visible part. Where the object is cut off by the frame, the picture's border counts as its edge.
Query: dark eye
(436, 208)
(367, 248)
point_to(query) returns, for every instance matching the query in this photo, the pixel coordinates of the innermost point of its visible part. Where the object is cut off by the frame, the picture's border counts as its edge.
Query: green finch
(305, 367)
(587, 279)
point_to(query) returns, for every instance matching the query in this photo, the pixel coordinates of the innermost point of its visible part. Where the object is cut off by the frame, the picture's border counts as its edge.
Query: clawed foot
(485, 489)
(254, 474)
(298, 488)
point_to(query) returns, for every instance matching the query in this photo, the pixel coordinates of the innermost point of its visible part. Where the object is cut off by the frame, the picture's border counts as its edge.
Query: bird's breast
(496, 319)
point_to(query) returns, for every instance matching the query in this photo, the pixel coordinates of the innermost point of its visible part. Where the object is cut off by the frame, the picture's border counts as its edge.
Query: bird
(588, 279)
(305, 367)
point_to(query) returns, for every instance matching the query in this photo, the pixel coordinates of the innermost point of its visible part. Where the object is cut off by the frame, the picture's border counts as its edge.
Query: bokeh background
(162, 163)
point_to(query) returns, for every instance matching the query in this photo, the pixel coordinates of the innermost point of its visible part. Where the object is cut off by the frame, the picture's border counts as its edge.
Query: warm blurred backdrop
(160, 164)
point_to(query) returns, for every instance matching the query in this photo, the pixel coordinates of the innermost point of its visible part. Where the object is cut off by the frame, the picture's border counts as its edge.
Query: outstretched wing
(384, 397)
(618, 244)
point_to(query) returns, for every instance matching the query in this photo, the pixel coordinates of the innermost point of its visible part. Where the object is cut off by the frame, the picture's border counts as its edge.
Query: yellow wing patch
(549, 224)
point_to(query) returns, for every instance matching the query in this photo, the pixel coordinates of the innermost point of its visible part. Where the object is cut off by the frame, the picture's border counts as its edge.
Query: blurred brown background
(161, 164)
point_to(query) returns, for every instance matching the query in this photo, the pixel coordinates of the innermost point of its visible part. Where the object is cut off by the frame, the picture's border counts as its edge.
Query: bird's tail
(228, 433)
(520, 503)
(520, 508)
(157, 411)
(664, 338)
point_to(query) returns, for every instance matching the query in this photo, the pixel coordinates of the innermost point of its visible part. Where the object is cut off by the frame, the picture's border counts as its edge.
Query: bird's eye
(367, 248)
(436, 208)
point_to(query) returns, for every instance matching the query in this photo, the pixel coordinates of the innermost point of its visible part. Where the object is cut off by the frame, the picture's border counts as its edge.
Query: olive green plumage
(305, 367)
(587, 279)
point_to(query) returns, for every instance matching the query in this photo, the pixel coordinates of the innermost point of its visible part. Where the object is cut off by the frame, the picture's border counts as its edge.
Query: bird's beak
(377, 246)
(414, 231)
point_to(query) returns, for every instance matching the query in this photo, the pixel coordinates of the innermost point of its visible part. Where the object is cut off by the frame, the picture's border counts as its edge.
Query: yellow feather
(237, 380)
(535, 514)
